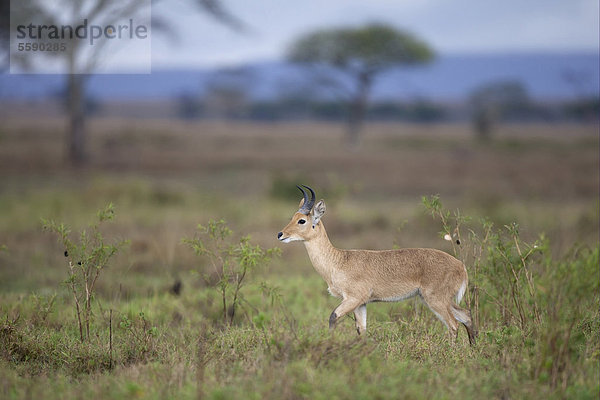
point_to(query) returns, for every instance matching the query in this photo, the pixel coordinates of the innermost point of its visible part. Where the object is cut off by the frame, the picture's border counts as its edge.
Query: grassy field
(157, 324)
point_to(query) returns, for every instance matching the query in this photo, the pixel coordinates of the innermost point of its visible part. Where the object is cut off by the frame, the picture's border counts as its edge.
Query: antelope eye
(301, 221)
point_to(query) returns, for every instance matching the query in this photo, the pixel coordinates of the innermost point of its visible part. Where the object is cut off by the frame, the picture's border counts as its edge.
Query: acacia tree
(359, 55)
(493, 102)
(79, 62)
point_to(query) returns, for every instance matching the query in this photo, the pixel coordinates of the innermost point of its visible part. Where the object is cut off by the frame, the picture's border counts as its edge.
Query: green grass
(279, 346)
(163, 345)
(406, 353)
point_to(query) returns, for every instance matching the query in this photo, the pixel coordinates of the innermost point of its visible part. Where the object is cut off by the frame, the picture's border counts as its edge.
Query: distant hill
(547, 77)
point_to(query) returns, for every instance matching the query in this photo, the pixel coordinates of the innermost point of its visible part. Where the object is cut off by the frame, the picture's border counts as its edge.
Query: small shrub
(231, 261)
(86, 259)
(535, 303)
(500, 264)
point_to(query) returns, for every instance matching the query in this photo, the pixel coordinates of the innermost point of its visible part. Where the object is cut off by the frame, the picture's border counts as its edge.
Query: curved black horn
(303, 209)
(308, 204)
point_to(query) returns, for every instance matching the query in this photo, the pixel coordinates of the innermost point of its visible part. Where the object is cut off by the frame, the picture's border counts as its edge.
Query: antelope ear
(301, 203)
(317, 212)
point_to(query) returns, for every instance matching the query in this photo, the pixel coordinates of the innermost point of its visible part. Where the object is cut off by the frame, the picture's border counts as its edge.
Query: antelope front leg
(347, 305)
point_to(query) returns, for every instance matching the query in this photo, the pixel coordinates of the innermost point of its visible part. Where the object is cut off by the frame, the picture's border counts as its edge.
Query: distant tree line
(345, 62)
(485, 114)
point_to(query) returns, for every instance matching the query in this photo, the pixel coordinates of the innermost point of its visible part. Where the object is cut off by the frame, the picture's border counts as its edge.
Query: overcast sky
(449, 26)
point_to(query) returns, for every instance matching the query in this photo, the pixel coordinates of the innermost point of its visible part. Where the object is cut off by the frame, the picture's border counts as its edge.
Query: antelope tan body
(360, 277)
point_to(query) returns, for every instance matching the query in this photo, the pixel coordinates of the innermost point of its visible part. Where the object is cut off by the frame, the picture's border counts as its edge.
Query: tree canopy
(373, 48)
(361, 53)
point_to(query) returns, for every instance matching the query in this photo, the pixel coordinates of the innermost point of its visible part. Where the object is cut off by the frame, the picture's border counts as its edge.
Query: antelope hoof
(332, 320)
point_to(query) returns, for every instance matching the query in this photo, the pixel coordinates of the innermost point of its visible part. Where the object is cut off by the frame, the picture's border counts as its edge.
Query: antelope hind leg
(360, 313)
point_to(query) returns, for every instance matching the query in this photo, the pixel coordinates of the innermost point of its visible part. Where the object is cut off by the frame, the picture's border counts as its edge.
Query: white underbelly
(398, 298)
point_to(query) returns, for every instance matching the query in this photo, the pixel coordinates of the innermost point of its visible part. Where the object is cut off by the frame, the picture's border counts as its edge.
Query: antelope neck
(323, 255)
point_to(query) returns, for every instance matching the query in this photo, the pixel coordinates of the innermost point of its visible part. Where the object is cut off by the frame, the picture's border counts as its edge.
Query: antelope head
(305, 222)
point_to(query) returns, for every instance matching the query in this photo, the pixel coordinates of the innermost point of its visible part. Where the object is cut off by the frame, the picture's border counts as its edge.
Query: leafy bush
(231, 261)
(86, 259)
(500, 264)
(525, 297)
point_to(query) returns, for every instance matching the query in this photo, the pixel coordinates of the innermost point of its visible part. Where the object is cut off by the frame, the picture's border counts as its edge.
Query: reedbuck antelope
(360, 277)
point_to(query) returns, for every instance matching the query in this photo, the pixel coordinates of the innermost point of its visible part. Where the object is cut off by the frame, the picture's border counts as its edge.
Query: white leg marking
(461, 292)
(360, 313)
(461, 316)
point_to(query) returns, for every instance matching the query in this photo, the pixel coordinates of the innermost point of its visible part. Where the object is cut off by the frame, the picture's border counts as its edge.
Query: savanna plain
(153, 271)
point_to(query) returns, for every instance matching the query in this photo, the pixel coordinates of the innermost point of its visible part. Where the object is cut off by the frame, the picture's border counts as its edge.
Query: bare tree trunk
(357, 110)
(76, 134)
(483, 122)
